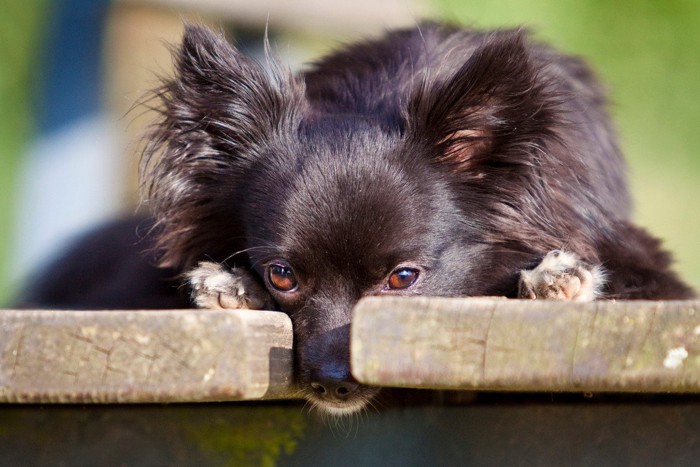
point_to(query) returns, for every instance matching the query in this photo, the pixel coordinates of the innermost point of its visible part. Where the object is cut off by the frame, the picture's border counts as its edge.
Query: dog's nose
(331, 384)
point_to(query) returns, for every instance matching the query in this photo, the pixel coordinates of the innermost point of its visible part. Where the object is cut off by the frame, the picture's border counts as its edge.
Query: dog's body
(433, 161)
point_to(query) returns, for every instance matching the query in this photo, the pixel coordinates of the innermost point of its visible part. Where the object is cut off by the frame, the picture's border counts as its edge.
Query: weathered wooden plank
(499, 344)
(144, 356)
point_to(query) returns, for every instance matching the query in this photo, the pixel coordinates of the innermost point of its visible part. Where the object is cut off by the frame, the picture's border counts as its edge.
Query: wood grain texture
(421, 342)
(144, 356)
(527, 345)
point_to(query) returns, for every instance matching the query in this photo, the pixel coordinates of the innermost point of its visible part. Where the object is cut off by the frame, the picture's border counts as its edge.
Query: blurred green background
(20, 24)
(645, 50)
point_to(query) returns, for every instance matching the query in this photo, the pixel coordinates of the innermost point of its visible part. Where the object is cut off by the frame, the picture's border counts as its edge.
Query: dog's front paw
(216, 286)
(562, 276)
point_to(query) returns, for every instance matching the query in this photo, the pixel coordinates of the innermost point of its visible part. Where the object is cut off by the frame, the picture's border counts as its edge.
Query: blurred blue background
(70, 71)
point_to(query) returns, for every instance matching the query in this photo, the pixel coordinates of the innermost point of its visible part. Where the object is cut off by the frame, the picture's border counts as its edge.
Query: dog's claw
(562, 276)
(217, 287)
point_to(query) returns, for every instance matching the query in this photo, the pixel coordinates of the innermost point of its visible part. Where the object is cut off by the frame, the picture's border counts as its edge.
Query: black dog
(435, 161)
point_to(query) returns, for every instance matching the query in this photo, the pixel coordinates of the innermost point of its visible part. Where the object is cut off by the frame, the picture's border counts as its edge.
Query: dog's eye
(281, 277)
(402, 278)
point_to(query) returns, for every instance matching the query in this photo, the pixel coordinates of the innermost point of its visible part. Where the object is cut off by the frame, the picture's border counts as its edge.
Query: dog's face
(326, 234)
(327, 208)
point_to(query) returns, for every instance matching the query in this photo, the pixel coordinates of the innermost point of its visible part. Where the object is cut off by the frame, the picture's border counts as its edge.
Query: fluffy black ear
(492, 112)
(217, 114)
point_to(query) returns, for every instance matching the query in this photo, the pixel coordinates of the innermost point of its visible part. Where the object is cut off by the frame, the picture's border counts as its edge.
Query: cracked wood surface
(527, 345)
(422, 342)
(144, 356)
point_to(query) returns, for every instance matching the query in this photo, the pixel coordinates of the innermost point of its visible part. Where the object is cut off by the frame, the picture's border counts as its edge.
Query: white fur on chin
(342, 409)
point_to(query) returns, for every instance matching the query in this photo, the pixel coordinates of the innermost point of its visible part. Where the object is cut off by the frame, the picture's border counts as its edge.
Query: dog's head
(328, 208)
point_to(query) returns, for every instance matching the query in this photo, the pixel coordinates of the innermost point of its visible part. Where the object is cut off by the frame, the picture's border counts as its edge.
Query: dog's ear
(492, 112)
(217, 115)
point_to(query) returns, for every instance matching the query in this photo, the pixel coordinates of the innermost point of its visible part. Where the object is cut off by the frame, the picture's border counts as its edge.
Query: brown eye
(281, 277)
(402, 278)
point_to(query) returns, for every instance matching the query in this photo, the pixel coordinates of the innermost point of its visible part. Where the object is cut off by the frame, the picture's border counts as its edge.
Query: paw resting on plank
(218, 287)
(562, 276)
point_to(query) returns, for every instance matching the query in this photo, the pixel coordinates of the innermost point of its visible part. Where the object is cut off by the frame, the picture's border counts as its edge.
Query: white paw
(218, 287)
(562, 276)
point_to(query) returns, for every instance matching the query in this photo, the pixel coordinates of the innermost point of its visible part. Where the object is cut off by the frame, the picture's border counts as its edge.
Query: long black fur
(517, 134)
